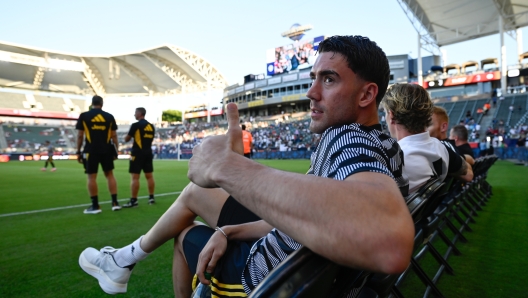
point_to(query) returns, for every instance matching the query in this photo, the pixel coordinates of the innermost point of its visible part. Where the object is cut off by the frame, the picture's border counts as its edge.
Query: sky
(233, 35)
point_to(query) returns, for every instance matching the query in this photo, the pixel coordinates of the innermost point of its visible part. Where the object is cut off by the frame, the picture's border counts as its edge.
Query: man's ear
(443, 127)
(369, 94)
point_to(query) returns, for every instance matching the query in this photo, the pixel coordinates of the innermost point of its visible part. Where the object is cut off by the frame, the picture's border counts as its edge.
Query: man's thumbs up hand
(234, 132)
(213, 155)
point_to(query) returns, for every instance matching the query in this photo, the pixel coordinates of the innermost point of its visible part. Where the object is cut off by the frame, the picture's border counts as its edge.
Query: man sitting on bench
(349, 207)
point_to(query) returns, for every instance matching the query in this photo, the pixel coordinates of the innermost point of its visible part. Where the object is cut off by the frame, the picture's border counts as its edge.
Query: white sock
(130, 254)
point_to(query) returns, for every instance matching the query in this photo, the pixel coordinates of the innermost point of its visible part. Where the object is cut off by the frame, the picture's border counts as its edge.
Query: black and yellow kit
(141, 157)
(98, 148)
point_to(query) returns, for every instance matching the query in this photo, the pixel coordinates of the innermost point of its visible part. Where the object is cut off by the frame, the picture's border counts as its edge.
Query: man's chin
(314, 128)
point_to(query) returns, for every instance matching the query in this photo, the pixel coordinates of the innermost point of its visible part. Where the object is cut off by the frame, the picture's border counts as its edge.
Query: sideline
(83, 205)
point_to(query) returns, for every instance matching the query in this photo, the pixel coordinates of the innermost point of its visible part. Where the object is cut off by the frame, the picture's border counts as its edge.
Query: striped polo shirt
(342, 151)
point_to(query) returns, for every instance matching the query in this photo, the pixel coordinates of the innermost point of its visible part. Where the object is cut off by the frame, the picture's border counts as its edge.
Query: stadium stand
(30, 138)
(54, 104)
(12, 100)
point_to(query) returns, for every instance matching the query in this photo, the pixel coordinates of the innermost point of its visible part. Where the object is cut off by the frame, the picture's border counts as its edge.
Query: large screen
(296, 56)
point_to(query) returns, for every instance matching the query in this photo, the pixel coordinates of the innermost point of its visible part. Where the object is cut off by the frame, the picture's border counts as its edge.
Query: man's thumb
(234, 132)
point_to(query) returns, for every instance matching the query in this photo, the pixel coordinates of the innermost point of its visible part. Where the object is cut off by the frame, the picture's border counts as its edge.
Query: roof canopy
(451, 21)
(162, 70)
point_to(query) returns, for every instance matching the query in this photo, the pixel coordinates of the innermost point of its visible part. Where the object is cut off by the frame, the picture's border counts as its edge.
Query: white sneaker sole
(116, 208)
(106, 284)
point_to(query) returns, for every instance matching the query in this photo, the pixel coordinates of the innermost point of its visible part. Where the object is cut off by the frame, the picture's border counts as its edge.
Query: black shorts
(248, 155)
(230, 267)
(91, 162)
(140, 162)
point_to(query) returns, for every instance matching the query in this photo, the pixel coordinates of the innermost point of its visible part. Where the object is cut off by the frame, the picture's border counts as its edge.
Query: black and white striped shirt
(343, 151)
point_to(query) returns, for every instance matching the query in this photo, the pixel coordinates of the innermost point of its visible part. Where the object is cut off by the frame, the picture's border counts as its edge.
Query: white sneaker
(115, 207)
(101, 265)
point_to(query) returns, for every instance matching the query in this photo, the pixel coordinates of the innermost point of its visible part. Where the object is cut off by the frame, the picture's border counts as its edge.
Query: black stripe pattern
(343, 151)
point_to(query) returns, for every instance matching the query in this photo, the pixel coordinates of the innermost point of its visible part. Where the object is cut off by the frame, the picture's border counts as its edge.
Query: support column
(208, 102)
(519, 42)
(503, 66)
(419, 60)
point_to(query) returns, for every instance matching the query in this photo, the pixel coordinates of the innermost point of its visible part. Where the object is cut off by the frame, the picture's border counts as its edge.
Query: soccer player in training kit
(141, 158)
(50, 150)
(98, 129)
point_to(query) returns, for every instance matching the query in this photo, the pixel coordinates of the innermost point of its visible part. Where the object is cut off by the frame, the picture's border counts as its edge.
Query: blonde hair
(410, 105)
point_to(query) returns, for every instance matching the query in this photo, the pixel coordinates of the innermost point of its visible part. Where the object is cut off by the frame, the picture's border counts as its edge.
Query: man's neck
(401, 132)
(460, 143)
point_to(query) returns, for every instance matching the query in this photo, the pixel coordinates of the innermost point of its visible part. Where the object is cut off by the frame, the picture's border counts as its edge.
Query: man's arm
(113, 136)
(470, 160)
(465, 172)
(365, 214)
(80, 139)
(458, 166)
(217, 244)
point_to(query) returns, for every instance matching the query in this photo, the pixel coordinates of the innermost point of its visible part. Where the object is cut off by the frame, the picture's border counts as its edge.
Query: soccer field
(39, 251)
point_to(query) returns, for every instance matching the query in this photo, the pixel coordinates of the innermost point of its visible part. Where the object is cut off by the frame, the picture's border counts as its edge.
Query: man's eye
(328, 80)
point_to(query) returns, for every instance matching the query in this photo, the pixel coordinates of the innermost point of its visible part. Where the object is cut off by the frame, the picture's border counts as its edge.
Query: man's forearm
(248, 231)
(333, 218)
(79, 143)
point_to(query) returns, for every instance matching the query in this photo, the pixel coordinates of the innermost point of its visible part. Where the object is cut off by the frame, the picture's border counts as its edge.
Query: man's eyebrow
(324, 73)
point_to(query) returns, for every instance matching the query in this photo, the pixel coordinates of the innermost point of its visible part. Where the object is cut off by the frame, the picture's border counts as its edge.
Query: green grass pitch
(39, 251)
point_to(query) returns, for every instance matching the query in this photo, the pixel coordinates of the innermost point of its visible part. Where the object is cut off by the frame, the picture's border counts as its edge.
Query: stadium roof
(161, 70)
(451, 21)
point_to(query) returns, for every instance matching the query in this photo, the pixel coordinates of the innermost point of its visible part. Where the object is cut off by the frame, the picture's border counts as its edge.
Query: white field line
(83, 205)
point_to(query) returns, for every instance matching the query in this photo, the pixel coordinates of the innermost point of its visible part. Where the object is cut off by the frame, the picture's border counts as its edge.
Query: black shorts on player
(140, 163)
(91, 162)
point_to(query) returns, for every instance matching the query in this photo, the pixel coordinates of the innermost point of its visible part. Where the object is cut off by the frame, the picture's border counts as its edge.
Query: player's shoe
(116, 207)
(54, 169)
(131, 204)
(101, 265)
(43, 169)
(92, 210)
(151, 202)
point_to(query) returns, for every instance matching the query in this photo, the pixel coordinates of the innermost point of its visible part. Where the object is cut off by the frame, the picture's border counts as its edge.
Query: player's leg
(134, 168)
(151, 184)
(194, 200)
(91, 167)
(93, 192)
(50, 159)
(148, 169)
(107, 163)
(181, 274)
(134, 189)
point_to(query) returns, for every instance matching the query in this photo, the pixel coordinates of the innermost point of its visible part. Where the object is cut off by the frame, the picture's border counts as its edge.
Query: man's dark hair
(365, 58)
(243, 127)
(97, 100)
(461, 132)
(142, 111)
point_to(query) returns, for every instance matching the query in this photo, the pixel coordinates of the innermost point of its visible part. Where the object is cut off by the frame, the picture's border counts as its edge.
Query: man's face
(452, 135)
(390, 126)
(334, 92)
(137, 115)
(435, 128)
